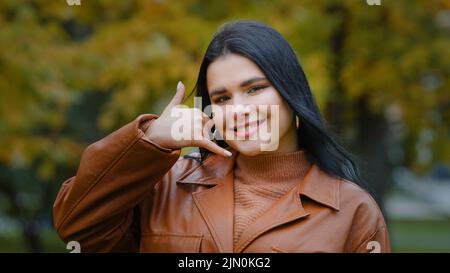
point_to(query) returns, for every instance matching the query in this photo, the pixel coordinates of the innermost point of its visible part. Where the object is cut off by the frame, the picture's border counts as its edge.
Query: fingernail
(179, 85)
(227, 153)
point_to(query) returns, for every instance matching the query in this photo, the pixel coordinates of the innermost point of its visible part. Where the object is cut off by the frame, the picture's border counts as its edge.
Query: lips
(248, 124)
(248, 129)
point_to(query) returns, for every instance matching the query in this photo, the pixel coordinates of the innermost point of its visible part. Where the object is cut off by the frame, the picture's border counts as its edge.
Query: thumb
(178, 97)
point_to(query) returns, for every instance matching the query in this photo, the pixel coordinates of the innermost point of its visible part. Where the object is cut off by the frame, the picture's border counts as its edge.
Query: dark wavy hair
(274, 56)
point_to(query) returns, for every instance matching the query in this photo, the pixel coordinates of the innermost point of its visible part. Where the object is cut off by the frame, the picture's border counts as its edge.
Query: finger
(178, 97)
(199, 115)
(205, 117)
(208, 124)
(213, 147)
(203, 123)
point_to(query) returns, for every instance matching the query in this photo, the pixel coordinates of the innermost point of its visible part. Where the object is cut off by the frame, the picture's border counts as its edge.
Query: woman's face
(249, 112)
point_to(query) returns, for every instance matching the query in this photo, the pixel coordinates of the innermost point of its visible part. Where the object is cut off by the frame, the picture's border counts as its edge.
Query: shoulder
(360, 202)
(367, 221)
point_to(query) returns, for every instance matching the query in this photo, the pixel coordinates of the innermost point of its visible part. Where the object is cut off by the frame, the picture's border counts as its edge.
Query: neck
(275, 166)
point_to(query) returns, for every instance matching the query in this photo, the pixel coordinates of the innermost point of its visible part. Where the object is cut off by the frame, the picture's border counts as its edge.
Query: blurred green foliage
(71, 74)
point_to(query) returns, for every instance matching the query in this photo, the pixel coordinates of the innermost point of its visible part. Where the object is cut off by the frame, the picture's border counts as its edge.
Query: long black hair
(274, 56)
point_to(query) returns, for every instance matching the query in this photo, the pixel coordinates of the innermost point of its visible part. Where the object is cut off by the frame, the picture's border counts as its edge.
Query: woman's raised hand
(165, 129)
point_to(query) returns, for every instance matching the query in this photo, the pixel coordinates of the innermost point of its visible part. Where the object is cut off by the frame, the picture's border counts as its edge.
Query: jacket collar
(211, 172)
(317, 185)
(217, 170)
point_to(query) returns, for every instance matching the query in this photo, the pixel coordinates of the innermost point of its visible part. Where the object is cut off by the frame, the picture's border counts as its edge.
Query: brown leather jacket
(130, 194)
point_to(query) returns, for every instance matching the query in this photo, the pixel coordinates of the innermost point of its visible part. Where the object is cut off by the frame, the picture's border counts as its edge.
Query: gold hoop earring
(297, 122)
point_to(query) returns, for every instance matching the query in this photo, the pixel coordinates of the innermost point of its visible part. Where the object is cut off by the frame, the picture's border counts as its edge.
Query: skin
(225, 82)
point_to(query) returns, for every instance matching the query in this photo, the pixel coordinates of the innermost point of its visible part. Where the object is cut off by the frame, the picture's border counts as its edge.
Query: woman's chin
(247, 147)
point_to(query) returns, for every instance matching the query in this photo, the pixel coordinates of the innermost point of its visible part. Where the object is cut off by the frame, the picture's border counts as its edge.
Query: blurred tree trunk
(30, 228)
(31, 234)
(370, 139)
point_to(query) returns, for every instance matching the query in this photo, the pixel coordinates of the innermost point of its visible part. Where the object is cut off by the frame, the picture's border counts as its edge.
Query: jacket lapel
(288, 208)
(316, 185)
(216, 204)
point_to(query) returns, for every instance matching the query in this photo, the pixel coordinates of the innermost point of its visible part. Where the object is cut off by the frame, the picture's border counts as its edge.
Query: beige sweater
(260, 180)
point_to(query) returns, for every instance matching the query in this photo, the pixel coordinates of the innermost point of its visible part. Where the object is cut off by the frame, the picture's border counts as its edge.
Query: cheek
(286, 118)
(285, 112)
(270, 98)
(280, 120)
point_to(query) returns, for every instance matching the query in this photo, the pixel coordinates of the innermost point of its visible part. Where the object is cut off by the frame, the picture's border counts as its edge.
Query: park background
(71, 74)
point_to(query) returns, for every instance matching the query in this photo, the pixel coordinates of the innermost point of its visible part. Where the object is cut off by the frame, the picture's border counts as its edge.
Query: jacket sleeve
(369, 232)
(97, 207)
(378, 242)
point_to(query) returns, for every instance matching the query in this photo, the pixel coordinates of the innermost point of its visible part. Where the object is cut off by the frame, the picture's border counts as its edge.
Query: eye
(255, 89)
(221, 99)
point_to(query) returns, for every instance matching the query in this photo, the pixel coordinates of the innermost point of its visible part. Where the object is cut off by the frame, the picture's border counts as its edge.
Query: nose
(240, 111)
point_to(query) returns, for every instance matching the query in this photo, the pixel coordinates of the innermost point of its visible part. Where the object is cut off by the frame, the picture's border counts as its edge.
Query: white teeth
(248, 128)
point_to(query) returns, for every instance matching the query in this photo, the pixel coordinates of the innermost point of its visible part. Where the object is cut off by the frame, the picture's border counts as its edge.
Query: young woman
(295, 191)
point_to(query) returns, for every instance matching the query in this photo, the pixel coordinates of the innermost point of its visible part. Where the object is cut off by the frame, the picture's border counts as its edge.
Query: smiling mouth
(248, 129)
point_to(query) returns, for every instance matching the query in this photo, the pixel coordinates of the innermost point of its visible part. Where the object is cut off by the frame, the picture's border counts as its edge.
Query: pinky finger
(213, 147)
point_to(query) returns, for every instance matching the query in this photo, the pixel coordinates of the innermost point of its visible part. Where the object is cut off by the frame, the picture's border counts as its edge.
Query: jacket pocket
(171, 242)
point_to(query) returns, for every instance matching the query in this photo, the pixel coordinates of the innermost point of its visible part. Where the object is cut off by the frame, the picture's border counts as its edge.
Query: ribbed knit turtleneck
(260, 180)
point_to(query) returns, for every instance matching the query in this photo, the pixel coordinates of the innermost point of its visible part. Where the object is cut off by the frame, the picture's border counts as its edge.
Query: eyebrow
(243, 84)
